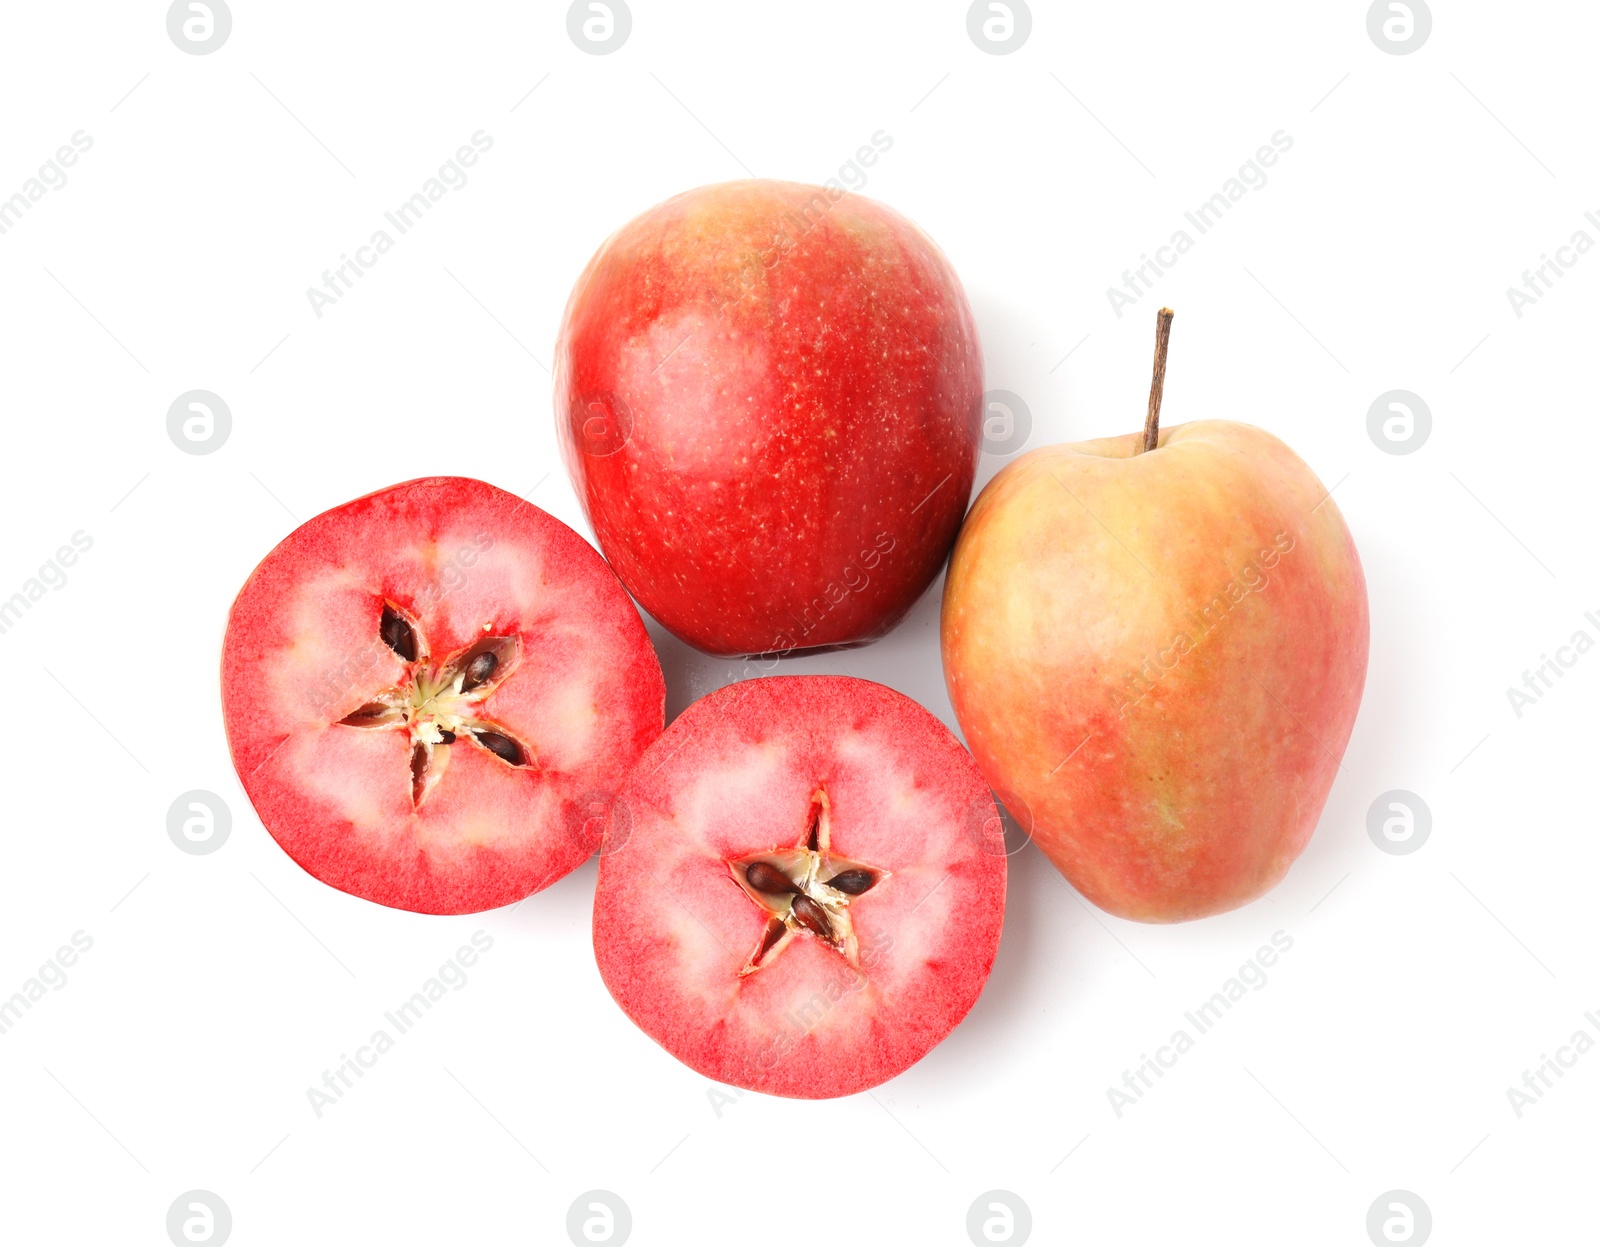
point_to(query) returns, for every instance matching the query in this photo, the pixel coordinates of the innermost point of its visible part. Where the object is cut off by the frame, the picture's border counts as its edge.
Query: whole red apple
(1156, 646)
(769, 397)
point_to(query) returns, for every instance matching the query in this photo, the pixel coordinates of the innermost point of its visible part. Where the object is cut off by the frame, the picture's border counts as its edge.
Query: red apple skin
(769, 398)
(1157, 659)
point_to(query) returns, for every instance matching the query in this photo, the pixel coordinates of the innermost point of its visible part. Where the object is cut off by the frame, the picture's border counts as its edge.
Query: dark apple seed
(447, 738)
(812, 917)
(479, 670)
(814, 825)
(419, 770)
(767, 878)
(774, 933)
(397, 634)
(360, 718)
(852, 882)
(503, 747)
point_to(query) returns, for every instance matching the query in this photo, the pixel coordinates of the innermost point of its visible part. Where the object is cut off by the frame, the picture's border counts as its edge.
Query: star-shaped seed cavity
(805, 890)
(439, 704)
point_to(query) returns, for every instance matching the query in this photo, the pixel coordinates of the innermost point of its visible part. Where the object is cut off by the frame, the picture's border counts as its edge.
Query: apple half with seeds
(432, 693)
(801, 886)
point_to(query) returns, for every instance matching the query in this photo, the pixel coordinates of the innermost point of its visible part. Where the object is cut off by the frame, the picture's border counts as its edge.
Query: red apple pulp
(801, 886)
(769, 397)
(432, 692)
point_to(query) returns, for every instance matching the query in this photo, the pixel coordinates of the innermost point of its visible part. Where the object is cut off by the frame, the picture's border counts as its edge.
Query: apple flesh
(1157, 658)
(769, 398)
(801, 886)
(431, 693)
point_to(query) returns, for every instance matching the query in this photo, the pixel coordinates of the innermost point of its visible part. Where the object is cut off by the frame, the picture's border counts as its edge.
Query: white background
(219, 988)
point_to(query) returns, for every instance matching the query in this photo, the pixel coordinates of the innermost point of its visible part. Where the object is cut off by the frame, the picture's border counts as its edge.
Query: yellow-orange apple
(1156, 656)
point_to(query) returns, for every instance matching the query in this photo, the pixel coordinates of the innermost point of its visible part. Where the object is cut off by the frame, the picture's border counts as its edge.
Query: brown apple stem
(1158, 379)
